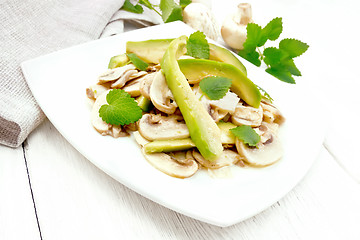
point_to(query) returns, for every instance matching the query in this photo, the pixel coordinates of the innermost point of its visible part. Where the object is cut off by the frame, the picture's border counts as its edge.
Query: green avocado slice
(197, 69)
(152, 51)
(203, 130)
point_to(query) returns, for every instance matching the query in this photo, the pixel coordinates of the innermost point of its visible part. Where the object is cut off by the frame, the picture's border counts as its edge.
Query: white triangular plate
(58, 82)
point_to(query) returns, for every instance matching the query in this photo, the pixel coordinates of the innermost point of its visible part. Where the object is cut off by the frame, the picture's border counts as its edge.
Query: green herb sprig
(279, 61)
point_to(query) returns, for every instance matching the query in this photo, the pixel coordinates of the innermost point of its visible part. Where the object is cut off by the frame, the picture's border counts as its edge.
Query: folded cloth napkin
(30, 28)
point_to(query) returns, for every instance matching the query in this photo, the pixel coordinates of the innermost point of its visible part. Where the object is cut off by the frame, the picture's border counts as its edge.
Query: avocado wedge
(197, 69)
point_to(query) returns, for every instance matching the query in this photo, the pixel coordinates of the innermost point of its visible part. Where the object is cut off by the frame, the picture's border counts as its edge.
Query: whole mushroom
(233, 29)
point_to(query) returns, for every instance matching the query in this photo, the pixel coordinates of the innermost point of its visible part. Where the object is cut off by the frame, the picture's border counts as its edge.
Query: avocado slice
(152, 51)
(169, 145)
(197, 69)
(118, 61)
(144, 103)
(203, 130)
(220, 54)
(227, 137)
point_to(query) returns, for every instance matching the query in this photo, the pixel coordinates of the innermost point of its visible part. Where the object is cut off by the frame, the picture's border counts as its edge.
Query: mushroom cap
(267, 152)
(133, 87)
(233, 29)
(160, 94)
(227, 158)
(247, 115)
(157, 127)
(94, 91)
(271, 113)
(179, 164)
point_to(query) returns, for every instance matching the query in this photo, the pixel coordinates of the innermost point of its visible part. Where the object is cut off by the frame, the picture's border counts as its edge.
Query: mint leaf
(246, 134)
(170, 11)
(250, 55)
(215, 87)
(140, 64)
(293, 47)
(273, 29)
(253, 38)
(274, 56)
(281, 74)
(128, 6)
(121, 109)
(184, 3)
(265, 94)
(197, 46)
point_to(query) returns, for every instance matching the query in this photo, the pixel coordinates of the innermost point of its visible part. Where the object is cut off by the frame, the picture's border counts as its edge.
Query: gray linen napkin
(30, 28)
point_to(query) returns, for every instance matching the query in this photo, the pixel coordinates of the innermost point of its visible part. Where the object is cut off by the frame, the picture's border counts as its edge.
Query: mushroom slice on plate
(97, 122)
(157, 127)
(247, 115)
(145, 84)
(94, 91)
(178, 164)
(271, 113)
(115, 73)
(227, 158)
(127, 76)
(160, 94)
(133, 87)
(268, 151)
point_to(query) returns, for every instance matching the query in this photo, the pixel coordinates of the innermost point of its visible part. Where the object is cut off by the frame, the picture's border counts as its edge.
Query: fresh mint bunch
(279, 61)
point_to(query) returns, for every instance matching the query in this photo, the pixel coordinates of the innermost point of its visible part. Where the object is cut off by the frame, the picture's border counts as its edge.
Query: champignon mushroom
(94, 91)
(133, 87)
(233, 29)
(157, 127)
(247, 115)
(145, 84)
(127, 76)
(160, 94)
(227, 158)
(115, 73)
(97, 122)
(200, 17)
(180, 165)
(268, 151)
(271, 113)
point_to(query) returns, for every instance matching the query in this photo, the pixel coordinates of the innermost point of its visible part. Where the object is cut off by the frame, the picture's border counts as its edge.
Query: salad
(189, 105)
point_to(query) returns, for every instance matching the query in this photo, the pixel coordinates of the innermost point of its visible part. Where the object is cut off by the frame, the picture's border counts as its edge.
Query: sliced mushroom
(127, 76)
(160, 94)
(133, 87)
(94, 91)
(247, 115)
(145, 84)
(227, 158)
(97, 122)
(115, 73)
(140, 139)
(180, 165)
(217, 114)
(271, 113)
(157, 127)
(268, 151)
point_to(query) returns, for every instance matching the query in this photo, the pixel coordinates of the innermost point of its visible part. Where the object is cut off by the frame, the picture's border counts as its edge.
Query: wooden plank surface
(76, 200)
(17, 214)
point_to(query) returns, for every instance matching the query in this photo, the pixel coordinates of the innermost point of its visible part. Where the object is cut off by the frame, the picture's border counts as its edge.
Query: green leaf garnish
(128, 6)
(197, 46)
(170, 11)
(246, 134)
(184, 3)
(140, 64)
(265, 94)
(121, 109)
(279, 61)
(215, 88)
